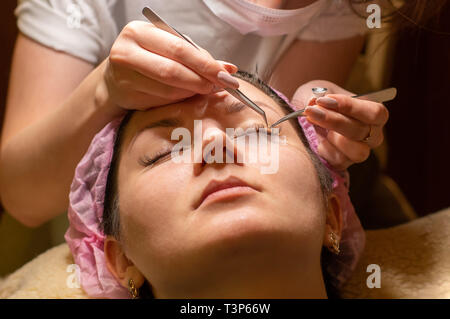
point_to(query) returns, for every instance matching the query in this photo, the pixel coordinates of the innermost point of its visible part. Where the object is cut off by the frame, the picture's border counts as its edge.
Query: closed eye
(163, 154)
(148, 161)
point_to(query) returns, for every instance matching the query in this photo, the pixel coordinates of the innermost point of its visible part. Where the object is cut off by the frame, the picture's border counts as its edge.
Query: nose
(217, 147)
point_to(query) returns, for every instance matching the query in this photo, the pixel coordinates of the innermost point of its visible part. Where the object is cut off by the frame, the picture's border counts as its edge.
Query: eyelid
(149, 161)
(156, 157)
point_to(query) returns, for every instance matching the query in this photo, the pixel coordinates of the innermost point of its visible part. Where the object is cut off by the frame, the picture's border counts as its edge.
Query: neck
(270, 279)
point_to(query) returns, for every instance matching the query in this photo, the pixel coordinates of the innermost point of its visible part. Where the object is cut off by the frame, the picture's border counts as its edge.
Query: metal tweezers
(377, 96)
(161, 24)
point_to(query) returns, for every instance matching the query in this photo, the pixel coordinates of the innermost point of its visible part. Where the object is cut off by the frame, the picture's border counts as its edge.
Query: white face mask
(248, 17)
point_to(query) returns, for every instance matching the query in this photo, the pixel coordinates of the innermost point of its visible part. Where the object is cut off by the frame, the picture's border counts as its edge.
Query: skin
(66, 112)
(220, 249)
(348, 123)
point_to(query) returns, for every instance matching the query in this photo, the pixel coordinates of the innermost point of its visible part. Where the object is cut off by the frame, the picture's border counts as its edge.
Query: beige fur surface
(46, 276)
(414, 261)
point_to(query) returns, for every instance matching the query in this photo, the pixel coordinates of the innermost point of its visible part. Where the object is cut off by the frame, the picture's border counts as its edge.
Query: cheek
(298, 174)
(297, 183)
(151, 206)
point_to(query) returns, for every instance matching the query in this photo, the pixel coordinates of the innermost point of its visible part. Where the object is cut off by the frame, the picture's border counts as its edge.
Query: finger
(355, 151)
(376, 136)
(128, 79)
(160, 68)
(177, 49)
(363, 110)
(342, 124)
(303, 94)
(311, 101)
(333, 156)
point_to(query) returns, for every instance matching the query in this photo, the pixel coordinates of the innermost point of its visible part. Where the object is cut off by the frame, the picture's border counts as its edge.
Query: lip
(228, 188)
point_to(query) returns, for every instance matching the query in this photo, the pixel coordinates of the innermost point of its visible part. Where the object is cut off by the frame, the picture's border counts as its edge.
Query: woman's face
(175, 239)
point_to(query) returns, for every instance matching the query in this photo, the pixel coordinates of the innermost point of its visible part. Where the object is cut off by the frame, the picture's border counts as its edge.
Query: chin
(245, 230)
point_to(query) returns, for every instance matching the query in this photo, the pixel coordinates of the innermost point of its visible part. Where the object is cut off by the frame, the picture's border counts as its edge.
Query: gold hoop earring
(134, 293)
(335, 243)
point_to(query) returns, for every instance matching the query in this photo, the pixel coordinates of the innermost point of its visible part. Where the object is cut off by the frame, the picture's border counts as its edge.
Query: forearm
(37, 164)
(305, 61)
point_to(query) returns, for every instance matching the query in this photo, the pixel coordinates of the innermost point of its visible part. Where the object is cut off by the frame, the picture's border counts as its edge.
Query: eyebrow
(234, 107)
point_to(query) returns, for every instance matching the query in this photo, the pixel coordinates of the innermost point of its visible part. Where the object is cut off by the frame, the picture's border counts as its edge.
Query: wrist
(104, 104)
(102, 97)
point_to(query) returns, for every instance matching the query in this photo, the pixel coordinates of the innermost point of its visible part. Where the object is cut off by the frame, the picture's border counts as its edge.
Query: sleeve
(83, 28)
(337, 21)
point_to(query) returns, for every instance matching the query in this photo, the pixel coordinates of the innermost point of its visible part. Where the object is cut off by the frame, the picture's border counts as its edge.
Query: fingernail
(312, 101)
(315, 113)
(327, 102)
(227, 80)
(231, 68)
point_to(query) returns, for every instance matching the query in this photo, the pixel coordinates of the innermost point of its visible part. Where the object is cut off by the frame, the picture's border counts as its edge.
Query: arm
(46, 129)
(311, 60)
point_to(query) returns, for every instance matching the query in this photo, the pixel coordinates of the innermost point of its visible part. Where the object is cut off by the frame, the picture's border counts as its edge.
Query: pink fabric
(87, 194)
(85, 212)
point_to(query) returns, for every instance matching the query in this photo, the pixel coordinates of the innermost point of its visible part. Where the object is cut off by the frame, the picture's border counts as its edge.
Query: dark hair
(411, 13)
(110, 223)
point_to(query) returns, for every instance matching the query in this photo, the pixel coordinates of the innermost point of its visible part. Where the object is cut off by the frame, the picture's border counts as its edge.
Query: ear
(334, 220)
(119, 265)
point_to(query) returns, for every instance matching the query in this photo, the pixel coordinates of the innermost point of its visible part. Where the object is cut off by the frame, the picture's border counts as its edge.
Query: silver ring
(319, 92)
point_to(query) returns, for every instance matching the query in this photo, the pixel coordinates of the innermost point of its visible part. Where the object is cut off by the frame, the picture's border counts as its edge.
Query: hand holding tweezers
(161, 24)
(377, 96)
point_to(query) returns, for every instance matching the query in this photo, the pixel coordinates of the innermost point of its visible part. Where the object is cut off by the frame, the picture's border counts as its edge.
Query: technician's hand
(354, 127)
(150, 67)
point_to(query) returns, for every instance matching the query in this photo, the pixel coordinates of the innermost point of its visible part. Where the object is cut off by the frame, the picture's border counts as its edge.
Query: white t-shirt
(88, 28)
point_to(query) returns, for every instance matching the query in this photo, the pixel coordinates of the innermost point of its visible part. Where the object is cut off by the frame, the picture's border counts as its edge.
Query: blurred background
(413, 161)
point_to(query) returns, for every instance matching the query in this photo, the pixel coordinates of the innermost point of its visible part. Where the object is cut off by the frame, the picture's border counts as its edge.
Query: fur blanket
(413, 259)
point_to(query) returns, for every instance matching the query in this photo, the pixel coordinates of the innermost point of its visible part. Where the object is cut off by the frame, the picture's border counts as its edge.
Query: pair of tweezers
(161, 24)
(377, 96)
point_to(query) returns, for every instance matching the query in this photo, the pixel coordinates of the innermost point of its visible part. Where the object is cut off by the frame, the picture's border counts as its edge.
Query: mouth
(227, 189)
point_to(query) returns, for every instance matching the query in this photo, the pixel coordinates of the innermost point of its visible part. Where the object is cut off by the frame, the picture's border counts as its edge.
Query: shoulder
(83, 28)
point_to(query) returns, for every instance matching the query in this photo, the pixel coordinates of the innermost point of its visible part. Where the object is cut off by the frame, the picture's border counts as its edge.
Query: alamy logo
(74, 17)
(73, 280)
(249, 146)
(374, 279)
(374, 19)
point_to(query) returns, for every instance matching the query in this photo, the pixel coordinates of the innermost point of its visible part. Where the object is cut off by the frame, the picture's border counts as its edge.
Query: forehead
(218, 105)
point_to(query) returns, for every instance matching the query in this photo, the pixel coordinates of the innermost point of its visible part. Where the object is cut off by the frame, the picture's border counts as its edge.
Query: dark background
(418, 129)
(8, 32)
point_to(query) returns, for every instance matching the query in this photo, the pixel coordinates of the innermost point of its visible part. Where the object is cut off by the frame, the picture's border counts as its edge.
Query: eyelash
(257, 127)
(148, 161)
